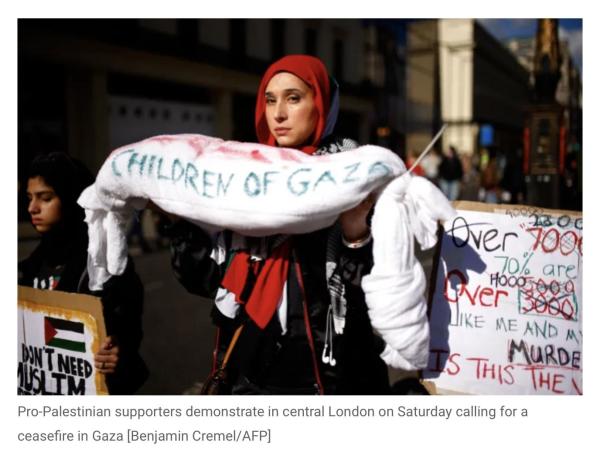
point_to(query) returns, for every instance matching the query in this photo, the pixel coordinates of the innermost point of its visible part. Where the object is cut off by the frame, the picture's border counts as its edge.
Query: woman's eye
(294, 99)
(47, 198)
(270, 101)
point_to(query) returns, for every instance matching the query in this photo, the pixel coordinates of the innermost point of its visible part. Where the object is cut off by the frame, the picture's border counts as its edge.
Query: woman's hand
(107, 358)
(354, 221)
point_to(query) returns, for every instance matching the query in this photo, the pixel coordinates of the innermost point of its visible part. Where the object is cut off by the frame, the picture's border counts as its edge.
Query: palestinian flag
(65, 334)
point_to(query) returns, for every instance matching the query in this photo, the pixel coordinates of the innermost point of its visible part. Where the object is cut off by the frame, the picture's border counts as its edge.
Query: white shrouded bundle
(395, 289)
(259, 190)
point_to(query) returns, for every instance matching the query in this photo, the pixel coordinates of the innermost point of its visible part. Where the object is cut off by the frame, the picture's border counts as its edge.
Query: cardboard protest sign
(58, 335)
(506, 306)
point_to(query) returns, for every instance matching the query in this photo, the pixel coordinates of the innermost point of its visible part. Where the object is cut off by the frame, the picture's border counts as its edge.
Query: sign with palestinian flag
(65, 334)
(59, 333)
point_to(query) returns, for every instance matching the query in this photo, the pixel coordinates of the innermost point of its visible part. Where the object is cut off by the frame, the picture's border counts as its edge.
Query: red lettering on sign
(551, 239)
(484, 296)
(485, 370)
(451, 360)
(541, 379)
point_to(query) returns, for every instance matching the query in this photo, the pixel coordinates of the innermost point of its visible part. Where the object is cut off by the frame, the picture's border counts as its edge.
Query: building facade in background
(88, 86)
(459, 75)
(569, 89)
(553, 130)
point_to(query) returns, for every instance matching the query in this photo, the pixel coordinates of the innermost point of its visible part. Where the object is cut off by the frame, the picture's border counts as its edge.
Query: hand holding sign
(107, 358)
(58, 335)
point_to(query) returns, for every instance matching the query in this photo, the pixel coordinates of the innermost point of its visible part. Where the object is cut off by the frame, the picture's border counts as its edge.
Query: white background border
(554, 423)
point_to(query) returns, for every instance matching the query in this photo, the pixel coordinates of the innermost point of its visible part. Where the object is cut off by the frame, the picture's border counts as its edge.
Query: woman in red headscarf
(306, 328)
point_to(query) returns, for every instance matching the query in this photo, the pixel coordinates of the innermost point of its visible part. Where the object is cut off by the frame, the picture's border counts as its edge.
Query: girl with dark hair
(59, 262)
(306, 329)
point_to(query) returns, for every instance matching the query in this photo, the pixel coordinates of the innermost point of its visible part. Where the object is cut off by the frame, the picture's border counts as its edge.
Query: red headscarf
(312, 71)
(270, 277)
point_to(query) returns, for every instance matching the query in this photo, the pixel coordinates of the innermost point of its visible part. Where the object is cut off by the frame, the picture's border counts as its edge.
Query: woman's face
(44, 205)
(290, 110)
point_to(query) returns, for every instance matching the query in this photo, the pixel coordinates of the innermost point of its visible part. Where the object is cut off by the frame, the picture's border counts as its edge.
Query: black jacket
(267, 362)
(451, 169)
(62, 255)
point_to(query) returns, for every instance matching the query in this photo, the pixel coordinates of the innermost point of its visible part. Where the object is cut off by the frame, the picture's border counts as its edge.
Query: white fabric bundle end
(408, 208)
(107, 232)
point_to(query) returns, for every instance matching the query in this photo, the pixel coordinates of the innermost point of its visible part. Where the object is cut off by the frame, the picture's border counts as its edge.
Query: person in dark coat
(59, 262)
(451, 174)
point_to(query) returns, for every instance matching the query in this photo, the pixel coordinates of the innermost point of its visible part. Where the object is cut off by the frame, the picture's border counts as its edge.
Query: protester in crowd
(59, 262)
(489, 177)
(451, 173)
(292, 294)
(431, 164)
(471, 181)
(513, 179)
(570, 196)
(411, 158)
